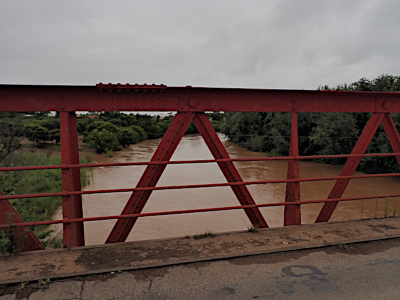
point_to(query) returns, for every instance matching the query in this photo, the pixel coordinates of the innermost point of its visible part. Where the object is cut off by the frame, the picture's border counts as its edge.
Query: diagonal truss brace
(24, 238)
(151, 175)
(351, 165)
(392, 133)
(229, 170)
(164, 152)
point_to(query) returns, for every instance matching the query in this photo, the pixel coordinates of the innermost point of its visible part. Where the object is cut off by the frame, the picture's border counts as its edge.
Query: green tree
(36, 133)
(55, 135)
(103, 141)
(11, 128)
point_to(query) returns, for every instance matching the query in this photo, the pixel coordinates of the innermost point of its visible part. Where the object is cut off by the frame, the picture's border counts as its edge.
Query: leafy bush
(128, 136)
(36, 133)
(55, 135)
(103, 140)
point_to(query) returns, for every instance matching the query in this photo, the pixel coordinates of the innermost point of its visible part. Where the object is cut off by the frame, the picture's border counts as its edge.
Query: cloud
(256, 44)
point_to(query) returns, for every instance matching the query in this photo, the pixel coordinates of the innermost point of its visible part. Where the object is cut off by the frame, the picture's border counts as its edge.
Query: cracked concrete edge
(201, 259)
(80, 248)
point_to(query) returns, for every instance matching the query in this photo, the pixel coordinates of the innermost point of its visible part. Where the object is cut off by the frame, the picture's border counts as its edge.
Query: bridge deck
(36, 265)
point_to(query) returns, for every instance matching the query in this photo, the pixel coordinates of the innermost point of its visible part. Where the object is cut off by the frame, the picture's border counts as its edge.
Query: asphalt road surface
(355, 271)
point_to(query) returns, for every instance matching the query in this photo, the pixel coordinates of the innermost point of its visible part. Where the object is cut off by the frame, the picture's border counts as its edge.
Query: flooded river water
(193, 147)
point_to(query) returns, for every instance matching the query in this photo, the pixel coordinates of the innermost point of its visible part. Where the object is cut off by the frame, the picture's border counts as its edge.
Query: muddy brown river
(193, 147)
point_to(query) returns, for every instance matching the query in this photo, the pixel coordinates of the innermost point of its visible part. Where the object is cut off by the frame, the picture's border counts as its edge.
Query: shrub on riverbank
(36, 181)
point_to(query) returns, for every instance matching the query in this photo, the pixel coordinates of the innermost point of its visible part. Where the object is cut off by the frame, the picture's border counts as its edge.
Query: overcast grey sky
(288, 44)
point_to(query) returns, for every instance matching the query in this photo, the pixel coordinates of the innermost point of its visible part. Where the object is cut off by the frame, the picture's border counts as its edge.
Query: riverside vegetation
(319, 133)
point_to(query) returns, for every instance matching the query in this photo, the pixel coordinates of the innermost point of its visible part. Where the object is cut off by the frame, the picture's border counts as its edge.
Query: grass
(37, 181)
(207, 234)
(251, 228)
(21, 286)
(44, 282)
(386, 207)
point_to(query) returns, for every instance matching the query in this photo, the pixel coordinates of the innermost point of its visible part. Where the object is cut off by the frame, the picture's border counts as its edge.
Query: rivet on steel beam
(193, 102)
(111, 107)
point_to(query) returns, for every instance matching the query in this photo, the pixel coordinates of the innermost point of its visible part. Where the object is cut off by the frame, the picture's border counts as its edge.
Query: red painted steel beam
(162, 98)
(229, 170)
(392, 133)
(292, 213)
(350, 166)
(151, 175)
(23, 237)
(71, 181)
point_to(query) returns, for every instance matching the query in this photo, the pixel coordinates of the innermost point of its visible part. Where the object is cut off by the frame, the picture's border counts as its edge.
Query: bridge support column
(71, 181)
(292, 215)
(350, 166)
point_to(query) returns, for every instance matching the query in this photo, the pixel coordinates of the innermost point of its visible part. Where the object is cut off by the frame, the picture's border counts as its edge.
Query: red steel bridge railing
(190, 104)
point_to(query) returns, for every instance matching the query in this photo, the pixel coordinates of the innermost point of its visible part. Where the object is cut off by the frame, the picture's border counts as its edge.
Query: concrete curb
(202, 259)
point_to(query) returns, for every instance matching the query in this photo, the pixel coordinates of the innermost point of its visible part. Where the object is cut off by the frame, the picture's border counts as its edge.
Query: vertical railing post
(71, 181)
(293, 212)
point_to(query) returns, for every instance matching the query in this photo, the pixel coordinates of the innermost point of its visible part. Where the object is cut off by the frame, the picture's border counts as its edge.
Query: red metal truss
(22, 237)
(190, 103)
(151, 175)
(292, 214)
(117, 97)
(229, 170)
(71, 181)
(164, 152)
(350, 166)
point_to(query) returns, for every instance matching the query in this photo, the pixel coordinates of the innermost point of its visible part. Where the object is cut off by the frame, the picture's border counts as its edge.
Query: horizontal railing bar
(307, 157)
(176, 187)
(264, 205)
